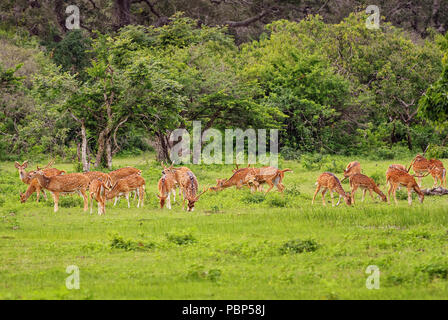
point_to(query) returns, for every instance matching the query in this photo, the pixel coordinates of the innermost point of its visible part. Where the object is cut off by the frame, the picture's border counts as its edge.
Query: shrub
(118, 242)
(254, 198)
(435, 270)
(181, 238)
(299, 246)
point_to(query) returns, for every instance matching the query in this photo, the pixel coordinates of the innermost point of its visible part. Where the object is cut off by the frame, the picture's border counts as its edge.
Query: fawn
(359, 180)
(329, 181)
(396, 177)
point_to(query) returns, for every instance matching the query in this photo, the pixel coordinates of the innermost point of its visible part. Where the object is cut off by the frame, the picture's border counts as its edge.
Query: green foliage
(180, 239)
(118, 242)
(299, 246)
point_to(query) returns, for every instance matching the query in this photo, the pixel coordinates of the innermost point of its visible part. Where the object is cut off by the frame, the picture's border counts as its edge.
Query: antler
(49, 164)
(205, 190)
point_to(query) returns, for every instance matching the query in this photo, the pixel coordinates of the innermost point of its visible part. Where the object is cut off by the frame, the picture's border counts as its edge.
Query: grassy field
(235, 245)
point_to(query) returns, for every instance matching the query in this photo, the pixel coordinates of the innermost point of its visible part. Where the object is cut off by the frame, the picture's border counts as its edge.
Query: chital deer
(97, 190)
(63, 184)
(328, 181)
(189, 186)
(238, 179)
(123, 173)
(438, 172)
(396, 177)
(352, 168)
(177, 172)
(92, 175)
(126, 185)
(270, 175)
(33, 183)
(166, 186)
(359, 180)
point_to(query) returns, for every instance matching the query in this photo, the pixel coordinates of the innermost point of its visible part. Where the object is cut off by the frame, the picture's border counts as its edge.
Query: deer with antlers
(352, 168)
(269, 175)
(189, 186)
(434, 167)
(123, 173)
(177, 174)
(97, 190)
(359, 180)
(33, 184)
(123, 187)
(396, 177)
(328, 181)
(63, 184)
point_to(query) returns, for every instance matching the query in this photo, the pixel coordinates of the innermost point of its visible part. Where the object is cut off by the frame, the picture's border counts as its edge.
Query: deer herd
(103, 187)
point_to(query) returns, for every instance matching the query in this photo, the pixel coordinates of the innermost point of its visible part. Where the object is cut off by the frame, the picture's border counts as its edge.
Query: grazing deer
(352, 168)
(238, 179)
(189, 185)
(33, 183)
(434, 167)
(329, 181)
(123, 173)
(395, 178)
(97, 191)
(177, 172)
(359, 180)
(63, 184)
(126, 185)
(398, 167)
(166, 185)
(270, 175)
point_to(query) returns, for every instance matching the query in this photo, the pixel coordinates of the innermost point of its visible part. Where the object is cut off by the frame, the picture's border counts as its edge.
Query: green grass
(235, 245)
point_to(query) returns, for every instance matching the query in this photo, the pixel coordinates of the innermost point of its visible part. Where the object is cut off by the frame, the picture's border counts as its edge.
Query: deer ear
(17, 165)
(25, 164)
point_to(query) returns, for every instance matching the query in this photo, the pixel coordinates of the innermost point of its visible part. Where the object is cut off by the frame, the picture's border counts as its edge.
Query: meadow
(235, 245)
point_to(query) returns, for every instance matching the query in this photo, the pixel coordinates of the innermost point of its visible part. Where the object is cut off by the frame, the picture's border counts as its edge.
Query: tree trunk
(84, 160)
(108, 153)
(162, 147)
(123, 12)
(101, 147)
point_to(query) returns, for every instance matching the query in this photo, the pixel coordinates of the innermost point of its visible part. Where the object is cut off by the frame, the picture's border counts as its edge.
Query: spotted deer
(63, 184)
(328, 181)
(395, 178)
(123, 187)
(359, 180)
(33, 184)
(435, 167)
(97, 190)
(189, 186)
(269, 175)
(123, 173)
(166, 186)
(352, 168)
(177, 172)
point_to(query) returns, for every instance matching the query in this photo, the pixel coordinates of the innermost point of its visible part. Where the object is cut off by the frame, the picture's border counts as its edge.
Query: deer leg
(174, 195)
(37, 194)
(116, 200)
(315, 193)
(409, 196)
(86, 199)
(271, 185)
(394, 191)
(168, 202)
(127, 198)
(323, 196)
(363, 195)
(332, 198)
(91, 202)
(389, 192)
(56, 201)
(371, 194)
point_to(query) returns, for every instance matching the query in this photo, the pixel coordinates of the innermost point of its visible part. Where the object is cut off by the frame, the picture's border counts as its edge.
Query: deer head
(219, 184)
(22, 197)
(21, 168)
(193, 199)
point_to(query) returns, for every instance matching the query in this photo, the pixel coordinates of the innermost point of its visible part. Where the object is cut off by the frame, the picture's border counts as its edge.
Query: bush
(289, 153)
(118, 242)
(312, 161)
(254, 198)
(181, 238)
(299, 246)
(435, 270)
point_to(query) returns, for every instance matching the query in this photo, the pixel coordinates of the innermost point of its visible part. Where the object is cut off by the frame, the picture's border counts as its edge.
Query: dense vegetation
(331, 88)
